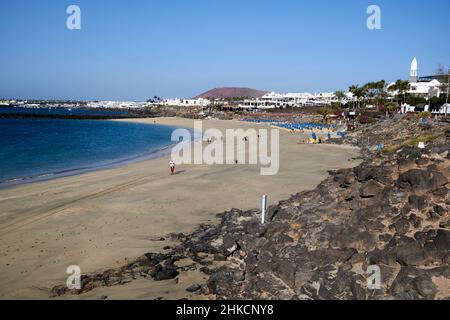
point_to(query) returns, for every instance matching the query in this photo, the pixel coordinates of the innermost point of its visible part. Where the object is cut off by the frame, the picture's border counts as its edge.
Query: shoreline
(105, 218)
(104, 165)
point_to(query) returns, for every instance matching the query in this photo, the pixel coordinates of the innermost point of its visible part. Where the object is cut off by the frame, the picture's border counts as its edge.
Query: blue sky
(132, 50)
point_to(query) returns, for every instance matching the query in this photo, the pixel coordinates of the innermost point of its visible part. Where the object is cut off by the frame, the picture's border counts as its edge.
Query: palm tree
(402, 87)
(353, 89)
(376, 91)
(340, 95)
(358, 92)
(381, 87)
(324, 112)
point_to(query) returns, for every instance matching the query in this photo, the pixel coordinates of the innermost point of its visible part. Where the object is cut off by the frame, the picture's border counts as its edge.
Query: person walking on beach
(172, 167)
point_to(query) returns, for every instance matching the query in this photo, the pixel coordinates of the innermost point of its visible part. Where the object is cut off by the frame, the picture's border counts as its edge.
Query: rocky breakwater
(392, 211)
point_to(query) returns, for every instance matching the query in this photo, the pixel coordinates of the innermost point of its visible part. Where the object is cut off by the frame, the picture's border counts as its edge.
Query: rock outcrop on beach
(392, 212)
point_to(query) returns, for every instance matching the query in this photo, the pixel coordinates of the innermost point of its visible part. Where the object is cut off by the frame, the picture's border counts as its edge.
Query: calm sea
(38, 149)
(59, 111)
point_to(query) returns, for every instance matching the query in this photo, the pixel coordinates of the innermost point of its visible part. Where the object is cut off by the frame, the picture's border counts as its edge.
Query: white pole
(446, 99)
(263, 208)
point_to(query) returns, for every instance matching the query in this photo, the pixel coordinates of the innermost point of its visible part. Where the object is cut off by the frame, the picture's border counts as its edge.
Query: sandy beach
(103, 219)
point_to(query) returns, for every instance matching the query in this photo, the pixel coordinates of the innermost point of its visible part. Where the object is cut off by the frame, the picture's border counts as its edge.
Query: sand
(103, 219)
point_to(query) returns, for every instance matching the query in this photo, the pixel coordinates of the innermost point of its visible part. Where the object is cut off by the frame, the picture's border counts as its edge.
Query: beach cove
(103, 219)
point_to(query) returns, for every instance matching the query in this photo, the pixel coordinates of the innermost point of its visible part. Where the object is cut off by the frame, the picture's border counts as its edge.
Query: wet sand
(103, 219)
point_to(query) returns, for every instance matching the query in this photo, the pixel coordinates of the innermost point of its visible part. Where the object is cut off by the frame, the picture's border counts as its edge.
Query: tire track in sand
(38, 216)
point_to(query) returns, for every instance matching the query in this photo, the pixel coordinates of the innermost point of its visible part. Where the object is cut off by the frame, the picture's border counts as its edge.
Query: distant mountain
(229, 92)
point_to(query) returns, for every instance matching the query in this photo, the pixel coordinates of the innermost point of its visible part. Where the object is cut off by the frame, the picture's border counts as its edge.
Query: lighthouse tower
(413, 72)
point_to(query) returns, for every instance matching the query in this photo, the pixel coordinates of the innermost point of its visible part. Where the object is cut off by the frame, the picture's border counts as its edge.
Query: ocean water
(59, 111)
(38, 149)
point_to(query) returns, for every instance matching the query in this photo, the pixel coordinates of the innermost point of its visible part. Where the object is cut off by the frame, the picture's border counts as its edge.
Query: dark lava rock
(415, 220)
(385, 237)
(421, 162)
(442, 241)
(229, 248)
(445, 224)
(403, 287)
(193, 288)
(401, 226)
(166, 274)
(220, 281)
(205, 270)
(417, 202)
(424, 180)
(439, 210)
(152, 259)
(369, 189)
(364, 173)
(425, 287)
(433, 216)
(442, 193)
(408, 251)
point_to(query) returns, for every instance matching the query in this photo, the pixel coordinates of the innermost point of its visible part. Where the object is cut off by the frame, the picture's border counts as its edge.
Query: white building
(425, 89)
(187, 102)
(273, 100)
(116, 104)
(421, 88)
(413, 71)
(406, 108)
(325, 97)
(444, 109)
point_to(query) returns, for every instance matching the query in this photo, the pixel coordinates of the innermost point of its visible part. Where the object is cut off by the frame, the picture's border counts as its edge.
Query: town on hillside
(425, 94)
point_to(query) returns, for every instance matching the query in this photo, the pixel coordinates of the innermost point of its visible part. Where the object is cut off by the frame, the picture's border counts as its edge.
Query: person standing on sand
(172, 166)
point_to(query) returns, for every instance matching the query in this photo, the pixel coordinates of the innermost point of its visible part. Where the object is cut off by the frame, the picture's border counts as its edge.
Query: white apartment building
(285, 100)
(425, 89)
(421, 88)
(116, 104)
(187, 102)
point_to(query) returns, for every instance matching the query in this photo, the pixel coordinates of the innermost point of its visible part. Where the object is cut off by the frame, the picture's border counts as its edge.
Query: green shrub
(425, 114)
(415, 101)
(391, 107)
